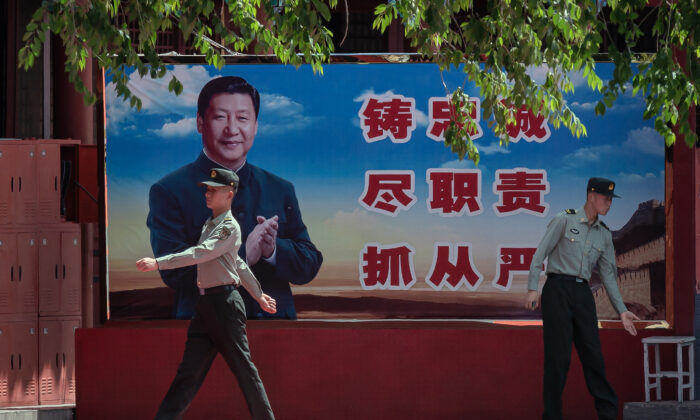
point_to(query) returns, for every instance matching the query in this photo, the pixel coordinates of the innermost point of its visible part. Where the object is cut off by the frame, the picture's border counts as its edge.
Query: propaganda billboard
(376, 218)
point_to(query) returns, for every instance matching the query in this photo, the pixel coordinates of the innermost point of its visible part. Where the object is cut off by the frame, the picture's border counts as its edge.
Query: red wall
(386, 370)
(350, 371)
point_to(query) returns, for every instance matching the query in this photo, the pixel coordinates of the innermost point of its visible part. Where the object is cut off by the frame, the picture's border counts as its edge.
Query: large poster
(406, 229)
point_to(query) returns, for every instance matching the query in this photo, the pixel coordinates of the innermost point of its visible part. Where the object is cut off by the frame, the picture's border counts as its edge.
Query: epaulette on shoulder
(604, 225)
(570, 211)
(228, 219)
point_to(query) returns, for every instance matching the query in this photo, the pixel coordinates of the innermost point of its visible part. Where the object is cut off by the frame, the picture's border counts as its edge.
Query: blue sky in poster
(309, 133)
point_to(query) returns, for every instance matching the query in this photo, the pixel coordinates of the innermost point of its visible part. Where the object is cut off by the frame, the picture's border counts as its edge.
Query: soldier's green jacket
(216, 256)
(573, 247)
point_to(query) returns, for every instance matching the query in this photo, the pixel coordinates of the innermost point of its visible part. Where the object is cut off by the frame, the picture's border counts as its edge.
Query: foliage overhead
(123, 33)
(495, 43)
(497, 46)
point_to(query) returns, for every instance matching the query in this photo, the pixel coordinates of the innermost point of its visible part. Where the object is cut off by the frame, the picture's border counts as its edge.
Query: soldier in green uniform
(576, 241)
(218, 324)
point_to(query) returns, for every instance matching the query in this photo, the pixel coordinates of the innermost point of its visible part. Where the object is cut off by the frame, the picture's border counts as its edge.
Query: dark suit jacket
(178, 211)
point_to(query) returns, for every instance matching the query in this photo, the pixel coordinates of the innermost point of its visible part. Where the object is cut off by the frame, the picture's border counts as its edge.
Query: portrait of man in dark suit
(277, 244)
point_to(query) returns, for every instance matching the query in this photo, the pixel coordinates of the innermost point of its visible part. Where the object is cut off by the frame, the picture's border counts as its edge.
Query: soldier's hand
(147, 264)
(627, 318)
(532, 301)
(267, 303)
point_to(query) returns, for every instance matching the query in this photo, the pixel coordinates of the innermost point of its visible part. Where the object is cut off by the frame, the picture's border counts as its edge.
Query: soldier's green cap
(219, 177)
(602, 186)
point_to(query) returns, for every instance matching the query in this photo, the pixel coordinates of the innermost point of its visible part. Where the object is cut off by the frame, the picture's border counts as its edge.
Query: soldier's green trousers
(569, 316)
(218, 326)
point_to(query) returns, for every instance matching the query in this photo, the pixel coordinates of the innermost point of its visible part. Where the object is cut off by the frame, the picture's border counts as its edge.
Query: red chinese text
(528, 126)
(388, 192)
(454, 191)
(512, 260)
(453, 267)
(388, 116)
(387, 267)
(521, 190)
(440, 111)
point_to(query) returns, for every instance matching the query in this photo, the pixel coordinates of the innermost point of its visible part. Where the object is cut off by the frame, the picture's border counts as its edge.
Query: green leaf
(323, 9)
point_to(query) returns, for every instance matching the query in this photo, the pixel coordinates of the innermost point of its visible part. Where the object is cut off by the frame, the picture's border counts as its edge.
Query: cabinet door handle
(56, 360)
(20, 361)
(12, 184)
(12, 362)
(55, 271)
(64, 271)
(20, 184)
(20, 274)
(55, 183)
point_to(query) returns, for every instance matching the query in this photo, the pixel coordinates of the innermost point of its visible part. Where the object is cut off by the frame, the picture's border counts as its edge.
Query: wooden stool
(679, 373)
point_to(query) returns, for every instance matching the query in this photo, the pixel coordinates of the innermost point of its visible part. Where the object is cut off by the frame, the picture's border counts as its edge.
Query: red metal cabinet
(8, 259)
(57, 359)
(68, 333)
(50, 272)
(60, 269)
(70, 269)
(48, 179)
(18, 276)
(50, 362)
(17, 183)
(7, 183)
(25, 185)
(30, 179)
(18, 361)
(26, 279)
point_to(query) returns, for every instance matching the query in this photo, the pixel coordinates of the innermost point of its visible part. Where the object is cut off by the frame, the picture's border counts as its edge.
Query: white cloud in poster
(421, 118)
(636, 178)
(185, 127)
(493, 148)
(280, 114)
(366, 94)
(155, 97)
(577, 78)
(117, 111)
(645, 140)
(462, 164)
(618, 106)
(583, 106)
(280, 106)
(587, 155)
(539, 75)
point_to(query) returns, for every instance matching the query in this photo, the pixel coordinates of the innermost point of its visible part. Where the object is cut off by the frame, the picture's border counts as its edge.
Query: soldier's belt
(225, 288)
(568, 277)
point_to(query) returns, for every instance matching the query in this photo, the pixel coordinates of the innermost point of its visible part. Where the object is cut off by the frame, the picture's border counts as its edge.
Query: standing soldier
(218, 323)
(575, 242)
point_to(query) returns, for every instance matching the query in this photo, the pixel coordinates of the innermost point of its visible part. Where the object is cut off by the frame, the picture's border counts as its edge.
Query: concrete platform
(662, 410)
(44, 412)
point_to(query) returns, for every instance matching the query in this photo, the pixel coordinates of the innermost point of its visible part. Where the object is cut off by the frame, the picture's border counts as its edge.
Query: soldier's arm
(216, 244)
(248, 279)
(545, 247)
